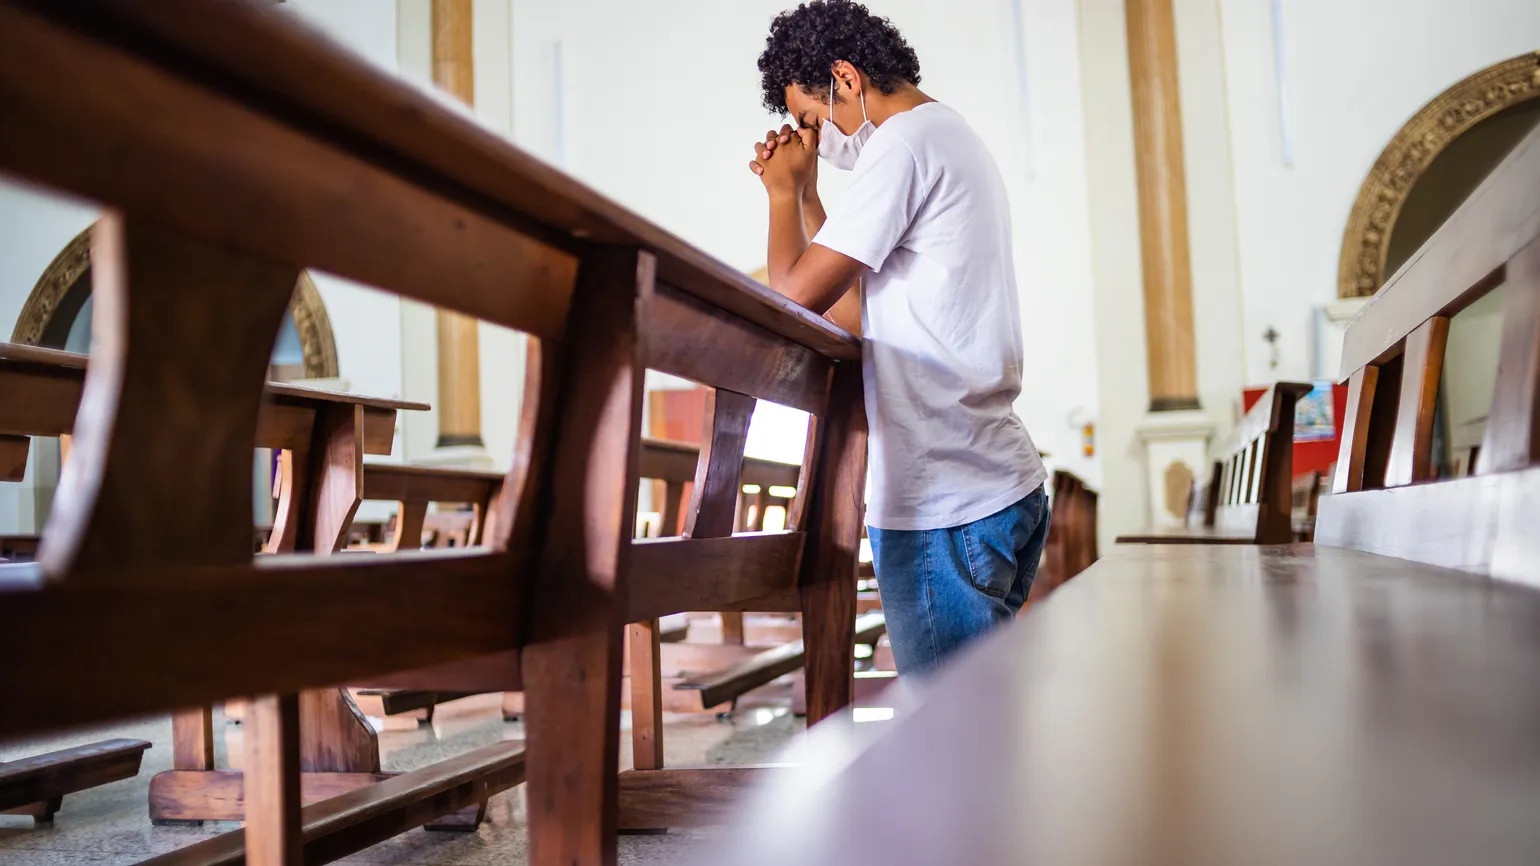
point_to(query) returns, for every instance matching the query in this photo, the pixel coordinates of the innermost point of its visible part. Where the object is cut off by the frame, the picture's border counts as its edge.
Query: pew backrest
(1384, 495)
(1255, 480)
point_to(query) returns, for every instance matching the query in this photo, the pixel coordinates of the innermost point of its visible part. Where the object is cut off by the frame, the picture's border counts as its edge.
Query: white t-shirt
(926, 211)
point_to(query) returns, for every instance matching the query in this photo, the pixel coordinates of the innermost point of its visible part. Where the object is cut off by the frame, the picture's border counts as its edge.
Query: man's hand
(787, 161)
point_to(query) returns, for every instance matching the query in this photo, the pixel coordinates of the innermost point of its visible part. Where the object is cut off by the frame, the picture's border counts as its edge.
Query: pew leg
(829, 565)
(732, 627)
(572, 662)
(41, 812)
(646, 675)
(192, 748)
(335, 736)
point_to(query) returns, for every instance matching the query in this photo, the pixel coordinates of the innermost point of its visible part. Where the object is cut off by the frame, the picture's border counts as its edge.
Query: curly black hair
(805, 42)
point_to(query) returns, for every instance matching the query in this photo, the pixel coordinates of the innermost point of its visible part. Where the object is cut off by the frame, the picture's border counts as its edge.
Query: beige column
(459, 351)
(1162, 185)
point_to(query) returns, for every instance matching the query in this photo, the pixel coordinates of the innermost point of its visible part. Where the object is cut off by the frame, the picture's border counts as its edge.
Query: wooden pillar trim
(1162, 183)
(459, 341)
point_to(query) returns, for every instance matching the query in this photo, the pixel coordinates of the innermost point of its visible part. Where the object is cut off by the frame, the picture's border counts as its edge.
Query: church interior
(405, 458)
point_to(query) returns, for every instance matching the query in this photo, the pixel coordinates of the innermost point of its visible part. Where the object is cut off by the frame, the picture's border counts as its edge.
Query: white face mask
(837, 148)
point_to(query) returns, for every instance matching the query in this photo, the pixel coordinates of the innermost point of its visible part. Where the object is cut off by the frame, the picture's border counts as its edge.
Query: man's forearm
(813, 214)
(788, 238)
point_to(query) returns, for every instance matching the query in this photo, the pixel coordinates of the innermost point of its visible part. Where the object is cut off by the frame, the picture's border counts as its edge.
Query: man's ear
(847, 78)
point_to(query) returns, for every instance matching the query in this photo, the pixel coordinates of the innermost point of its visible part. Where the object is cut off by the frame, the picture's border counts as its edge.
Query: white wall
(1356, 71)
(659, 105)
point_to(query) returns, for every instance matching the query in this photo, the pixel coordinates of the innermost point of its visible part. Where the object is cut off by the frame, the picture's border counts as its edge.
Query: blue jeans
(942, 588)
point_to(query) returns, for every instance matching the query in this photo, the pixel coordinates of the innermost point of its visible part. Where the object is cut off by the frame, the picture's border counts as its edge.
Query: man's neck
(881, 106)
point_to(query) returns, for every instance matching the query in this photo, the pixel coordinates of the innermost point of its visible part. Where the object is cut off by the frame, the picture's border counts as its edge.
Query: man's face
(810, 111)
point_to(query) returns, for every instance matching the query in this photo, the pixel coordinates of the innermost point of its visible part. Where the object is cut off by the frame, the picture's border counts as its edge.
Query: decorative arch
(65, 284)
(1365, 243)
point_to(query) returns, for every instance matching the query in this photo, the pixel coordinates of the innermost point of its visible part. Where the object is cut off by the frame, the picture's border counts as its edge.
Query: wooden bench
(1385, 497)
(1350, 701)
(1071, 547)
(1247, 498)
(678, 465)
(36, 786)
(322, 438)
(234, 147)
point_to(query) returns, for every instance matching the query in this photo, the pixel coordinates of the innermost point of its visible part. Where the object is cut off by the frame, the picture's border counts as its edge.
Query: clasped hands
(787, 161)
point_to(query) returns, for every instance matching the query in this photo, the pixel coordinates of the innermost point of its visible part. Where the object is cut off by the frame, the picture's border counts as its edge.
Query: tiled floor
(109, 825)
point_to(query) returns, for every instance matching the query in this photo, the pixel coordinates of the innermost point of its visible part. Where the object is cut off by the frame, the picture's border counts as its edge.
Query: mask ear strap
(831, 97)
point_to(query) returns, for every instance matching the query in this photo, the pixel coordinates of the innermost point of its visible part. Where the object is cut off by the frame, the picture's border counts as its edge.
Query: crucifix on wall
(1271, 336)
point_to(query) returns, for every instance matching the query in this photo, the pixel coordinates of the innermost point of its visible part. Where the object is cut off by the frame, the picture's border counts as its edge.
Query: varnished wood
(1159, 161)
(409, 521)
(337, 476)
(730, 353)
(714, 497)
(220, 795)
(451, 604)
(192, 739)
(13, 457)
(732, 627)
(718, 481)
(673, 508)
(571, 665)
(47, 777)
(687, 796)
(354, 820)
(673, 575)
(645, 673)
(271, 735)
(1512, 439)
(1215, 699)
(828, 578)
(492, 672)
(131, 449)
(1355, 431)
(334, 735)
(394, 481)
(1411, 451)
(729, 683)
(239, 162)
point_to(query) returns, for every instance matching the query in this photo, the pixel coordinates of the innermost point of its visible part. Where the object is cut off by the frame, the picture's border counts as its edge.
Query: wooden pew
(677, 465)
(234, 147)
(1247, 498)
(37, 785)
(1370, 698)
(1384, 497)
(1071, 546)
(43, 390)
(414, 488)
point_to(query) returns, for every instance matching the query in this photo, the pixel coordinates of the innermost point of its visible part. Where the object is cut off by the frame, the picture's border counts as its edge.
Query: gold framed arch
(1366, 241)
(65, 284)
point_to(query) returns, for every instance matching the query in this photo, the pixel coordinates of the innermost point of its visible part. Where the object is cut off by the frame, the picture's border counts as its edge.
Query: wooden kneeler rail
(232, 148)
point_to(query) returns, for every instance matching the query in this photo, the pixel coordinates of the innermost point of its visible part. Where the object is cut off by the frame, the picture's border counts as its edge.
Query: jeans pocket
(991, 553)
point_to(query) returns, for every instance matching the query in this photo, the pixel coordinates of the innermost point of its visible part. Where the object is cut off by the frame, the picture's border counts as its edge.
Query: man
(956, 510)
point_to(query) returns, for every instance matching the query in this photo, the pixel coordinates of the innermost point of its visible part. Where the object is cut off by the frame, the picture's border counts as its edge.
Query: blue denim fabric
(942, 588)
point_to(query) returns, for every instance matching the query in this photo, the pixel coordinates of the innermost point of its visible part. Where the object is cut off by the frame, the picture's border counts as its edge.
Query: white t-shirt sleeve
(881, 201)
